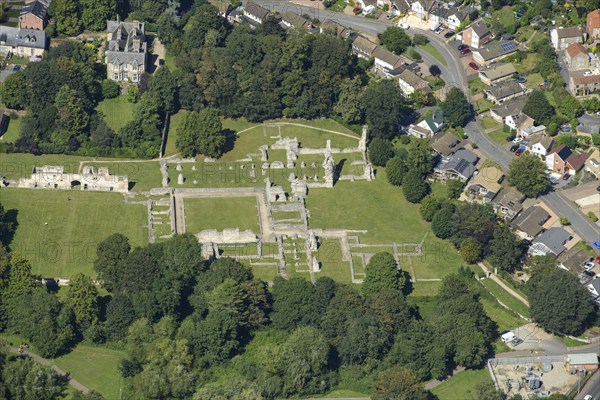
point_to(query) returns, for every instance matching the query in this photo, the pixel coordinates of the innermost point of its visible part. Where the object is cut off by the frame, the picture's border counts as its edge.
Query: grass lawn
(483, 105)
(499, 136)
(440, 190)
(174, 122)
(435, 53)
(95, 367)
(13, 131)
(117, 112)
(489, 122)
(533, 81)
(506, 298)
(58, 231)
(572, 343)
(462, 386)
(170, 61)
(500, 315)
(476, 86)
(221, 213)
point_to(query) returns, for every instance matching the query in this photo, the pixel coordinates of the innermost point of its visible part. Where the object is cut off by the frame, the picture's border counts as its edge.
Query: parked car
(449, 34)
(462, 47)
(389, 16)
(16, 68)
(597, 245)
(588, 397)
(517, 140)
(587, 73)
(566, 176)
(589, 273)
(474, 66)
(598, 189)
(597, 260)
(356, 10)
(518, 152)
(465, 51)
(403, 25)
(588, 265)
(516, 341)
(439, 30)
(514, 148)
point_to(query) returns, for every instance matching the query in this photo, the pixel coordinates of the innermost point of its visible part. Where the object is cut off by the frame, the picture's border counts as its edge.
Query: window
(125, 75)
(135, 77)
(116, 76)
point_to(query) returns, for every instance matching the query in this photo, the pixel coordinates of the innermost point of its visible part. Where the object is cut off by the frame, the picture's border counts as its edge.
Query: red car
(474, 66)
(465, 51)
(518, 152)
(597, 260)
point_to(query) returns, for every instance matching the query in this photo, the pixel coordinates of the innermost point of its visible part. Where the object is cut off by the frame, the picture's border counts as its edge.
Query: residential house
(592, 164)
(291, 19)
(518, 121)
(363, 47)
(22, 42)
(497, 73)
(388, 63)
(530, 223)
(429, 126)
(494, 52)
(410, 82)
(593, 24)
(505, 91)
(509, 204)
(594, 287)
(563, 161)
(256, 13)
(485, 185)
(235, 16)
(223, 7)
(425, 8)
(561, 38)
(476, 34)
(539, 144)
(126, 51)
(527, 131)
(34, 15)
(576, 57)
(444, 143)
(335, 28)
(460, 166)
(456, 17)
(507, 109)
(573, 260)
(550, 242)
(584, 85)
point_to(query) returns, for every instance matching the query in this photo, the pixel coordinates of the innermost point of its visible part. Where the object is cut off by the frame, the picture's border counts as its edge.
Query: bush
(596, 139)
(412, 53)
(110, 89)
(380, 151)
(564, 221)
(132, 94)
(405, 139)
(395, 170)
(420, 40)
(593, 216)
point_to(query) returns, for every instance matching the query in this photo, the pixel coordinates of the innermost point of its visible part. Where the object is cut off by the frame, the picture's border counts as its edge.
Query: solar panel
(508, 46)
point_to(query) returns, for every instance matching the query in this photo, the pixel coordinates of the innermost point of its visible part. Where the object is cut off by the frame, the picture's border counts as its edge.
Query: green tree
(429, 207)
(470, 250)
(294, 304)
(234, 387)
(395, 39)
(456, 108)
(110, 253)
(528, 174)
(442, 223)
(68, 21)
(559, 303)
(418, 156)
(382, 273)
(395, 170)
(201, 133)
(538, 107)
(110, 89)
(82, 297)
(95, 13)
(455, 188)
(25, 379)
(348, 106)
(398, 383)
(72, 117)
(591, 105)
(15, 91)
(164, 84)
(414, 187)
(380, 151)
(7, 226)
(119, 315)
(384, 108)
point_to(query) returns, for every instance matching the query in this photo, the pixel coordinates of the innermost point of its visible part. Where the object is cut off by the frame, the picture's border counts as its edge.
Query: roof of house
(595, 283)
(593, 162)
(488, 178)
(510, 107)
(531, 220)
(435, 120)
(296, 20)
(335, 27)
(554, 239)
(543, 140)
(444, 143)
(36, 8)
(575, 49)
(562, 151)
(257, 11)
(462, 162)
(512, 199)
(584, 80)
(122, 35)
(534, 130)
(388, 57)
(413, 79)
(568, 32)
(582, 358)
(593, 20)
(505, 89)
(16, 37)
(364, 45)
(498, 71)
(574, 259)
(480, 27)
(497, 49)
(460, 14)
(577, 161)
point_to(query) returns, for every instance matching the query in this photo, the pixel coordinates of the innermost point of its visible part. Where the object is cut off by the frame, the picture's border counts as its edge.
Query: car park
(448, 35)
(462, 47)
(465, 51)
(473, 65)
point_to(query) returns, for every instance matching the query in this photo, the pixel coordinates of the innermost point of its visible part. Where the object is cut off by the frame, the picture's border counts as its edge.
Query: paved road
(591, 387)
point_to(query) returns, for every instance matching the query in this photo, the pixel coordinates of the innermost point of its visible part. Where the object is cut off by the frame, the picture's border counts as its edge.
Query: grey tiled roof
(36, 8)
(554, 239)
(16, 37)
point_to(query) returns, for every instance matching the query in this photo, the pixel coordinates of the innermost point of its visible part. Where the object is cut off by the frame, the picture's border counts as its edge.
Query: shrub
(420, 40)
(110, 89)
(564, 221)
(592, 216)
(412, 53)
(380, 151)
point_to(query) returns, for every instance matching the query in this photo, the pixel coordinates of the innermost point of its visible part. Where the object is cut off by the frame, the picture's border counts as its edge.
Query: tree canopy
(528, 174)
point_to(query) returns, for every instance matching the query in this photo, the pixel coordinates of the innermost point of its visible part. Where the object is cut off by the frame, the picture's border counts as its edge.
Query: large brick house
(34, 15)
(576, 57)
(562, 160)
(126, 51)
(476, 34)
(593, 24)
(584, 85)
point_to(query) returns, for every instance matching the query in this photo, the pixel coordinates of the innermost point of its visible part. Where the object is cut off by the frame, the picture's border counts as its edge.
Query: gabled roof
(388, 57)
(575, 49)
(364, 45)
(554, 239)
(336, 28)
(16, 37)
(577, 161)
(510, 107)
(460, 14)
(36, 8)
(497, 49)
(444, 143)
(512, 199)
(505, 89)
(488, 178)
(568, 32)
(498, 71)
(584, 80)
(435, 120)
(593, 20)
(257, 11)
(413, 79)
(543, 140)
(531, 220)
(297, 21)
(480, 27)
(562, 151)
(574, 259)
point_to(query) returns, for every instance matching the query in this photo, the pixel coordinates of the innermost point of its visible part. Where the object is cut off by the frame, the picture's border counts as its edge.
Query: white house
(561, 38)
(256, 13)
(456, 17)
(540, 144)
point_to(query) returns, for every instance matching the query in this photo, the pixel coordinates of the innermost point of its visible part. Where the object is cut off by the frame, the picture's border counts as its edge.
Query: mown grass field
(95, 367)
(506, 298)
(58, 231)
(13, 130)
(435, 53)
(462, 386)
(116, 112)
(221, 213)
